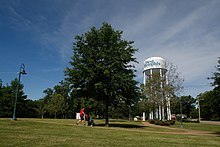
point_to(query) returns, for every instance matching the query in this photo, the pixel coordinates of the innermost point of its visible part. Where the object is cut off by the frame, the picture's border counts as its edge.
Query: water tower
(157, 65)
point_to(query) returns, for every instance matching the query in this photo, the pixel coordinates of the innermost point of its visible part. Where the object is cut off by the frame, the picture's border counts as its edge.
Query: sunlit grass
(198, 126)
(64, 132)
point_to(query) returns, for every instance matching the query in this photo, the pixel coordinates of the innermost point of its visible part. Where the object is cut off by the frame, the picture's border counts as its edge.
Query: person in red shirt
(82, 116)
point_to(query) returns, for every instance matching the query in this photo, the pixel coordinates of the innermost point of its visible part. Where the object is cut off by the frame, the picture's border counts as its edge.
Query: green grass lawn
(64, 132)
(203, 127)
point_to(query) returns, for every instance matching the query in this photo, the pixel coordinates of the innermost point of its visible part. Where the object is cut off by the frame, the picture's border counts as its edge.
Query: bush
(171, 122)
(158, 122)
(151, 121)
(165, 123)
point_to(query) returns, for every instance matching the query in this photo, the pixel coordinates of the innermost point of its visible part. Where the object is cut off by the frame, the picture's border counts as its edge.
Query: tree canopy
(102, 68)
(7, 100)
(216, 75)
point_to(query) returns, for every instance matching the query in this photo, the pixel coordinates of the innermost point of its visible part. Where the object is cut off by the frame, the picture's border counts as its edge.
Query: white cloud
(190, 43)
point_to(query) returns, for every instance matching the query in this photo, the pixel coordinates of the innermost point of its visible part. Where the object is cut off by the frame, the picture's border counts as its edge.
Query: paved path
(183, 130)
(211, 122)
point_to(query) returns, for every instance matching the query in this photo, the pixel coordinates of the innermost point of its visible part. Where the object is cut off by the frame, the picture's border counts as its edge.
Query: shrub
(151, 121)
(162, 123)
(157, 122)
(165, 123)
(171, 122)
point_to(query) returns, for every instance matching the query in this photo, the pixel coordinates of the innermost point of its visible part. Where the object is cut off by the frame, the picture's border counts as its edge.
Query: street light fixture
(21, 72)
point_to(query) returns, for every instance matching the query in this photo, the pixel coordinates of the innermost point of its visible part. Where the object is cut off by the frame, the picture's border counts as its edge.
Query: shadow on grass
(118, 120)
(121, 125)
(217, 134)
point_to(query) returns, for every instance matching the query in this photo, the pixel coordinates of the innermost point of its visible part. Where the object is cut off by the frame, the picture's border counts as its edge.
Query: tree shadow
(121, 125)
(216, 133)
(118, 120)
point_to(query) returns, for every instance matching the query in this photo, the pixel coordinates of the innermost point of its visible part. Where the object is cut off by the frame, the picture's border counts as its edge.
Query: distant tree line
(59, 102)
(25, 107)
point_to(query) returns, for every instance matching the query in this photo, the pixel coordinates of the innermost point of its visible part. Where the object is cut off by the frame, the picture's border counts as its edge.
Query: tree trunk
(106, 113)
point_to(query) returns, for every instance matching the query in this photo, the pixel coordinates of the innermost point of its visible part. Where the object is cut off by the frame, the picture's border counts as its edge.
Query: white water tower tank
(154, 64)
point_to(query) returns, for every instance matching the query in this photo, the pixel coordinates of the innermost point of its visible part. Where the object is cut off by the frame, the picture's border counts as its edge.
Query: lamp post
(181, 113)
(199, 110)
(21, 72)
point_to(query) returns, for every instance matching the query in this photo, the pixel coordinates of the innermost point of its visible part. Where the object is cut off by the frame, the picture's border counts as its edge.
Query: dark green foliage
(212, 99)
(171, 122)
(6, 102)
(29, 109)
(216, 75)
(56, 102)
(152, 121)
(194, 113)
(175, 105)
(210, 104)
(7, 99)
(188, 103)
(101, 67)
(162, 123)
(120, 112)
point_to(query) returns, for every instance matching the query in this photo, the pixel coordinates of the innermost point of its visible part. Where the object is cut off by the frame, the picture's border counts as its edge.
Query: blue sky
(39, 34)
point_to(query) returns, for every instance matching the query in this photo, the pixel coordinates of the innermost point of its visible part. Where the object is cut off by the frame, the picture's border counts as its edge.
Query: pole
(16, 97)
(22, 71)
(199, 110)
(181, 114)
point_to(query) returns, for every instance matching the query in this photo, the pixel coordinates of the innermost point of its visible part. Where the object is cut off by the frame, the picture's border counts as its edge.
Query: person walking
(82, 116)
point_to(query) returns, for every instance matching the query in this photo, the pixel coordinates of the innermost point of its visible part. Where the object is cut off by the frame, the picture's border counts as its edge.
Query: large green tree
(214, 95)
(154, 92)
(209, 104)
(102, 67)
(216, 91)
(216, 75)
(56, 104)
(6, 101)
(188, 104)
(40, 107)
(63, 89)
